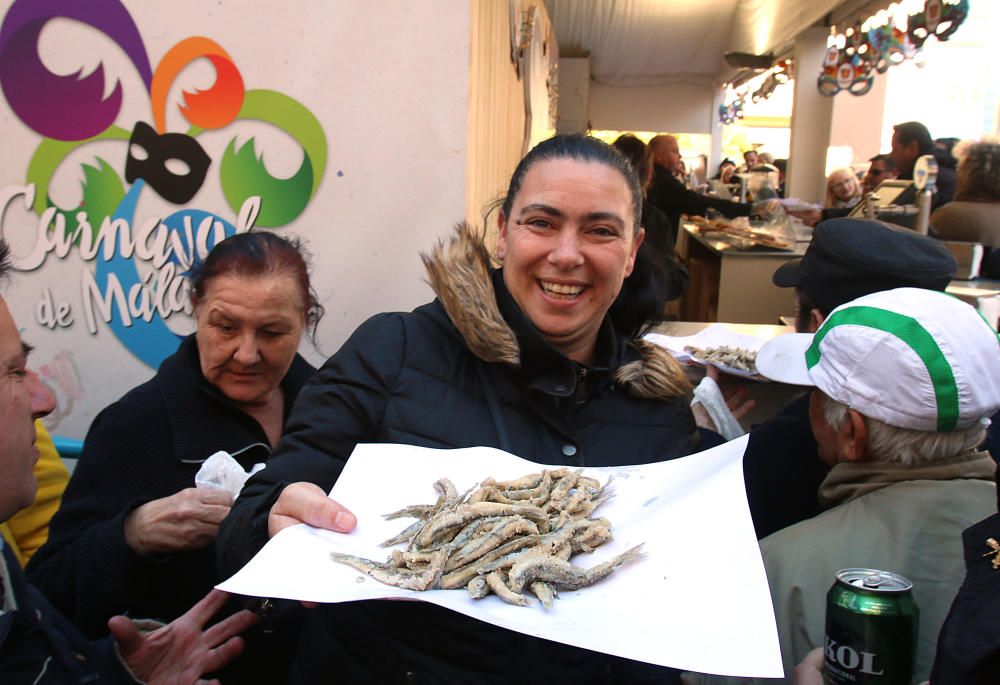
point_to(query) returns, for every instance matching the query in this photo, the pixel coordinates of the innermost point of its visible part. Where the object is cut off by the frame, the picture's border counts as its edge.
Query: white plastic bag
(222, 472)
(709, 396)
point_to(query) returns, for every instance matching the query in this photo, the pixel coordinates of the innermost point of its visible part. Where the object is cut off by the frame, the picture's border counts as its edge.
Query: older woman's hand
(188, 519)
(307, 503)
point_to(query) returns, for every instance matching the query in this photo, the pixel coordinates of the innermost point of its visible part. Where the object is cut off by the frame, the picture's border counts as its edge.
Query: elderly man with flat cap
(846, 259)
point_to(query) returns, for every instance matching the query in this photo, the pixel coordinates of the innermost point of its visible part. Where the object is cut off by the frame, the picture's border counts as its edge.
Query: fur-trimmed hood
(459, 273)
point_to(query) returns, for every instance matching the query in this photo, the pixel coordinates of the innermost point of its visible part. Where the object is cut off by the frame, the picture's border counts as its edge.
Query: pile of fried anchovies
(726, 355)
(502, 537)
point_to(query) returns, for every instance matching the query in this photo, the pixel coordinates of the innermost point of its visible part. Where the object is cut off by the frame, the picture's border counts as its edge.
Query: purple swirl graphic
(40, 98)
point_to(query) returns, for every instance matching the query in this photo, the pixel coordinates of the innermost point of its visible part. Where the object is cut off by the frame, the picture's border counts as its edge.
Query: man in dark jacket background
(668, 194)
(847, 258)
(910, 141)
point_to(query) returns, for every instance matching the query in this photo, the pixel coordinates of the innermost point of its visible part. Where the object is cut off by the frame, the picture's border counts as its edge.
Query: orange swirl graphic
(208, 109)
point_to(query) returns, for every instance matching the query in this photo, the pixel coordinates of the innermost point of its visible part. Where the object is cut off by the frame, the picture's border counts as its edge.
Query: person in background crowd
(974, 215)
(765, 158)
(681, 172)
(847, 258)
(904, 382)
(38, 645)
(132, 521)
(701, 172)
(944, 149)
(880, 168)
(749, 160)
(27, 530)
(782, 166)
(910, 141)
(528, 358)
(661, 236)
(670, 195)
(842, 189)
(726, 170)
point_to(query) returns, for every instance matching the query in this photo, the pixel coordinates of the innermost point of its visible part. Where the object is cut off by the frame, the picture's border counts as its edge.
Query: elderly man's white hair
(891, 444)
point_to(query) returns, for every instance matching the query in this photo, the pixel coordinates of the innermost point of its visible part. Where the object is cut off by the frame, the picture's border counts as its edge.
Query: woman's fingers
(307, 503)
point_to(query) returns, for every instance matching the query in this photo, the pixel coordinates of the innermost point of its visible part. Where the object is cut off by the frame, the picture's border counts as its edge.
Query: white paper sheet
(715, 335)
(697, 600)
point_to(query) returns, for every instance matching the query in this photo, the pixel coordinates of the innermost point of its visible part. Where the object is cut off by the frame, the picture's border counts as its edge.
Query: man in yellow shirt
(28, 529)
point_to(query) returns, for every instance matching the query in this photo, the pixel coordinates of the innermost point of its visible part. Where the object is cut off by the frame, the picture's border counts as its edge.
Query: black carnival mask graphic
(159, 148)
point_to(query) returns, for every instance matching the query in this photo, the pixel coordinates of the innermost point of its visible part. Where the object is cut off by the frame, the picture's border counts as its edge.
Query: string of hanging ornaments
(885, 39)
(758, 88)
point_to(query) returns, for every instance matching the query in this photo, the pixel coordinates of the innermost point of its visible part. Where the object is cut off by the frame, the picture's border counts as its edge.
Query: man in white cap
(904, 382)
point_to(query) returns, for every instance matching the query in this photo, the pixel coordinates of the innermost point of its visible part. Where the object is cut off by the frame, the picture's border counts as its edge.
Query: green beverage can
(871, 629)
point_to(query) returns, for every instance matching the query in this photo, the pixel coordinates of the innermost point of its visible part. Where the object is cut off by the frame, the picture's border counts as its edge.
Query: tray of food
(622, 560)
(717, 345)
(516, 539)
(741, 234)
(736, 361)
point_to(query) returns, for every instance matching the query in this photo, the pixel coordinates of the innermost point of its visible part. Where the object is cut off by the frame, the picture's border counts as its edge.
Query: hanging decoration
(760, 87)
(731, 113)
(886, 38)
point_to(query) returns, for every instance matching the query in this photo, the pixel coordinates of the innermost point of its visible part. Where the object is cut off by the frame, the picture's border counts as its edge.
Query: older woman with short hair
(134, 535)
(842, 189)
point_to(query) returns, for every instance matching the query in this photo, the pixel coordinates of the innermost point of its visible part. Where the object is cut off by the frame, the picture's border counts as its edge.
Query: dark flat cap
(848, 258)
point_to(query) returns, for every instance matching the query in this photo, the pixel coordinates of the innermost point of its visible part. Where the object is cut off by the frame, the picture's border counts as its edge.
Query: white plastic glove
(709, 396)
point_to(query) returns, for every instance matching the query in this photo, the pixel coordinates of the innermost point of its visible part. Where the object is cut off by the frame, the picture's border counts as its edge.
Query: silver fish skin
(464, 513)
(545, 593)
(397, 577)
(501, 590)
(478, 587)
(564, 574)
(496, 537)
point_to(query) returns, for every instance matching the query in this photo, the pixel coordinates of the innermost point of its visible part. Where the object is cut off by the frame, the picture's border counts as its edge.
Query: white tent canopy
(655, 42)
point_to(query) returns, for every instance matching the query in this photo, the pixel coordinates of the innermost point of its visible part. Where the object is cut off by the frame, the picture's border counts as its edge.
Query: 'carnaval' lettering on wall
(170, 165)
(115, 291)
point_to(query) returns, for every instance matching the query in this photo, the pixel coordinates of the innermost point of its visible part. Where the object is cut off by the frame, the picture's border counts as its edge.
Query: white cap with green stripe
(912, 358)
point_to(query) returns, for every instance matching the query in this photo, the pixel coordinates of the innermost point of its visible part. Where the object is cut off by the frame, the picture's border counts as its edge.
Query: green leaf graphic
(51, 153)
(103, 191)
(243, 174)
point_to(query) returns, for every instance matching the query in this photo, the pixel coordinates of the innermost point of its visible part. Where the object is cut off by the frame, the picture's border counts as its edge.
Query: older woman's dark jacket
(147, 445)
(468, 369)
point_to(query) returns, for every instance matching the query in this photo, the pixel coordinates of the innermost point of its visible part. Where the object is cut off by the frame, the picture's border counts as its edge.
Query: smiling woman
(131, 522)
(528, 358)
(569, 244)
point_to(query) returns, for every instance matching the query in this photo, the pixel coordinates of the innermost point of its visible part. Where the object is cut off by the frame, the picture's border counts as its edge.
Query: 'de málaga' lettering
(168, 294)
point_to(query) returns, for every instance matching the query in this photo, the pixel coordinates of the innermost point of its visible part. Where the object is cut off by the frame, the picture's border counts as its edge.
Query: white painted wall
(678, 107)
(389, 84)
(857, 121)
(574, 95)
